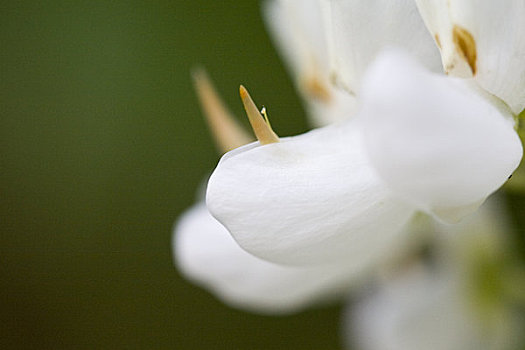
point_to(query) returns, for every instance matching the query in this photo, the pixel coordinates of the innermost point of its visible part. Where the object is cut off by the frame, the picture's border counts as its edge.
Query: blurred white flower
(462, 300)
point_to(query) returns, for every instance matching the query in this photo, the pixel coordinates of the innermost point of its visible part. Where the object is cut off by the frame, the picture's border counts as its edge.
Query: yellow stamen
(263, 131)
(265, 115)
(227, 132)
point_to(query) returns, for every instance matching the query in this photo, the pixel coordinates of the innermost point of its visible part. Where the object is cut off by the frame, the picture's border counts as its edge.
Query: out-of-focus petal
(417, 311)
(309, 199)
(457, 301)
(433, 139)
(361, 29)
(484, 39)
(297, 29)
(207, 254)
(340, 106)
(479, 251)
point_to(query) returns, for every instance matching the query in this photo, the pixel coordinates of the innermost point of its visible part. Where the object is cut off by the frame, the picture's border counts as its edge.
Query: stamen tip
(243, 92)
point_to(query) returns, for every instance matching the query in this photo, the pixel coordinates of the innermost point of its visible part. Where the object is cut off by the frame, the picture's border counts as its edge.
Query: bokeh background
(103, 146)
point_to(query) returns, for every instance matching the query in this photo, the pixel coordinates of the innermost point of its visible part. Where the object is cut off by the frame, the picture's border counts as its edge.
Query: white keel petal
(309, 199)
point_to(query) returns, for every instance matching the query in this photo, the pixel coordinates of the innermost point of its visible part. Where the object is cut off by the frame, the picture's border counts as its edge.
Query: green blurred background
(103, 146)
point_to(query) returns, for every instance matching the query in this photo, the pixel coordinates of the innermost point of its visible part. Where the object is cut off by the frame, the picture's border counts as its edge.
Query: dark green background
(103, 145)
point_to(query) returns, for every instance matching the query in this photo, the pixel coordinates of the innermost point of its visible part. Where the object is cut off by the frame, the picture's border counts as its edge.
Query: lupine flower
(420, 141)
(207, 254)
(301, 219)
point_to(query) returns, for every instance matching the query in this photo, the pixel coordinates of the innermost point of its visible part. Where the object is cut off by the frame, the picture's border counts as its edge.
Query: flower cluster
(416, 104)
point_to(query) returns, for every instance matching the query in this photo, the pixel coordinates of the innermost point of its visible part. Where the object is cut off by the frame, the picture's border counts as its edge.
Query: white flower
(335, 202)
(206, 253)
(419, 141)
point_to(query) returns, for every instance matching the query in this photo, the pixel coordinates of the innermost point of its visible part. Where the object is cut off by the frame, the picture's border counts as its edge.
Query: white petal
(297, 28)
(309, 199)
(207, 254)
(417, 311)
(340, 106)
(486, 38)
(361, 29)
(433, 139)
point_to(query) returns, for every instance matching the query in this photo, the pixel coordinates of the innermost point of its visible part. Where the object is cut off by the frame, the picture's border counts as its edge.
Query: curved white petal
(361, 29)
(297, 29)
(433, 139)
(482, 38)
(309, 199)
(421, 310)
(207, 254)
